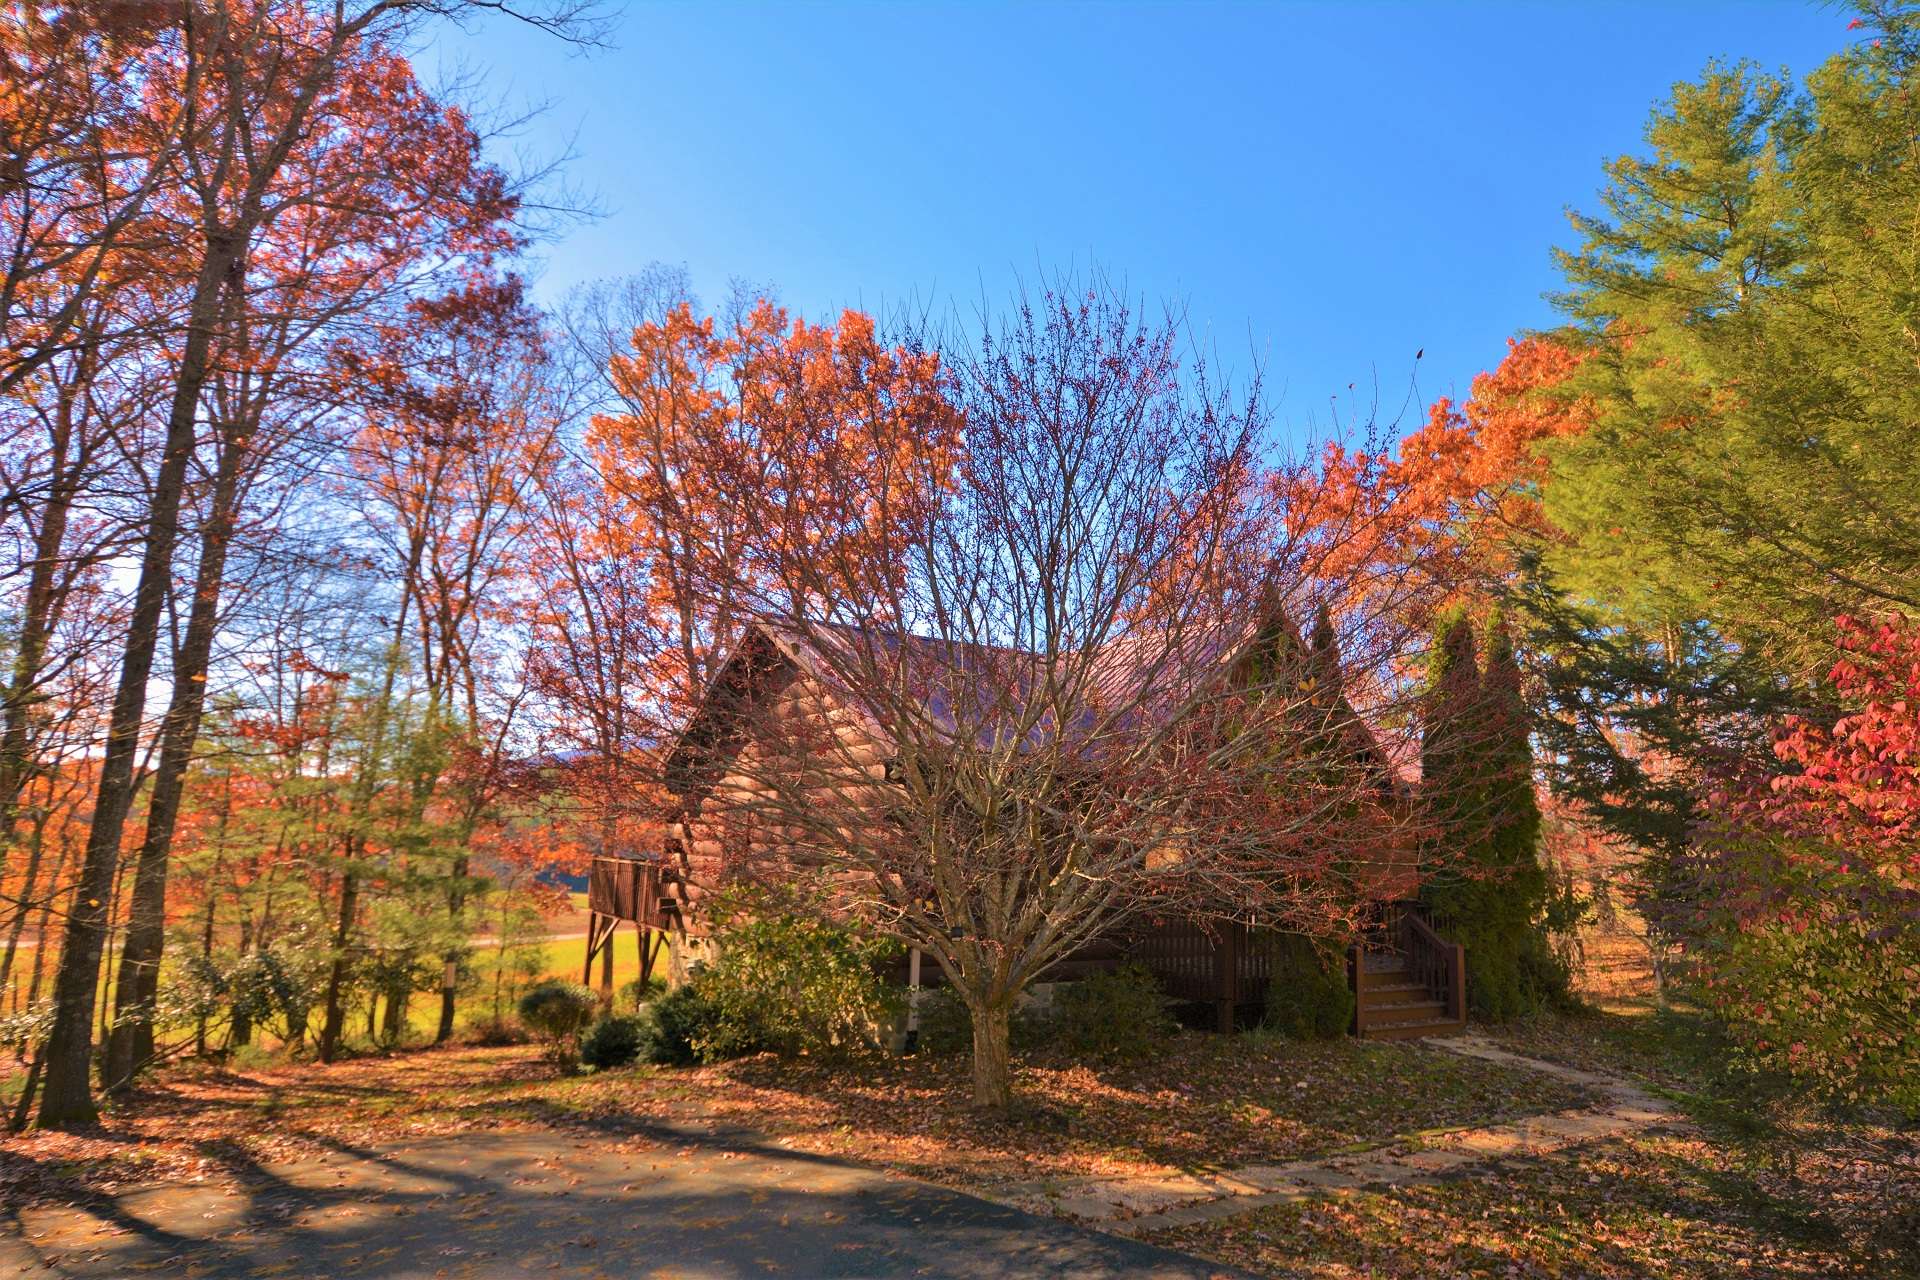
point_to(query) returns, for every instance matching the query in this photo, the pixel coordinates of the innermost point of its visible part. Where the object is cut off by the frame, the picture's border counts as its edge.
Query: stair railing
(1436, 964)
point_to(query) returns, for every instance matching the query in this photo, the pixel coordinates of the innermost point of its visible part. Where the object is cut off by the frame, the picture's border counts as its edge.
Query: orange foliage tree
(310, 165)
(658, 544)
(1464, 488)
(1063, 690)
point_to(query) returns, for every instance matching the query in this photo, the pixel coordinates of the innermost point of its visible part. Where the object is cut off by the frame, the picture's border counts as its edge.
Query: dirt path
(1141, 1205)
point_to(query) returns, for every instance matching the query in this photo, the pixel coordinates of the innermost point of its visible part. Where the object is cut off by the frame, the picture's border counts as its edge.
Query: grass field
(562, 955)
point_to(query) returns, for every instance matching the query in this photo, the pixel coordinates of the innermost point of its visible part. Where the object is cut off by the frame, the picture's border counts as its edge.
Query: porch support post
(1226, 960)
(1357, 965)
(593, 934)
(1457, 984)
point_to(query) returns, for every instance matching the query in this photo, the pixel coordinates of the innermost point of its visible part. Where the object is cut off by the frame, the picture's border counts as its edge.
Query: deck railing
(1435, 963)
(1219, 964)
(625, 889)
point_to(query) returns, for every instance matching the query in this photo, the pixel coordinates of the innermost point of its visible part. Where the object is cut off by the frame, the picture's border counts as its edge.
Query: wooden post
(606, 961)
(1357, 960)
(1226, 959)
(593, 932)
(913, 1000)
(1457, 985)
(646, 958)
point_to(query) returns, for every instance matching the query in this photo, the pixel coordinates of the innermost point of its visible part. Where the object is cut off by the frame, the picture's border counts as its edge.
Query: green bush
(616, 1041)
(682, 1022)
(1511, 974)
(1121, 1014)
(497, 1031)
(635, 994)
(788, 980)
(945, 1024)
(557, 1012)
(947, 1027)
(1308, 997)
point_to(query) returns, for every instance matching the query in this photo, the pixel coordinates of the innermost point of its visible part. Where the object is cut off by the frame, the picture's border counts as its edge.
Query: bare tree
(1075, 698)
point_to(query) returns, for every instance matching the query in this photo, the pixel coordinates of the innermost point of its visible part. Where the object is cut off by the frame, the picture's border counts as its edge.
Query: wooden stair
(1413, 985)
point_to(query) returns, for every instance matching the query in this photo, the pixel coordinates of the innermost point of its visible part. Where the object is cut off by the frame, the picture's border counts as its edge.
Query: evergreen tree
(1635, 720)
(1447, 765)
(1484, 878)
(1746, 299)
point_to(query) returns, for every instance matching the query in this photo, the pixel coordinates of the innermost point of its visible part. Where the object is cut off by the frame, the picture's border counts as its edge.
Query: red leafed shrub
(1803, 924)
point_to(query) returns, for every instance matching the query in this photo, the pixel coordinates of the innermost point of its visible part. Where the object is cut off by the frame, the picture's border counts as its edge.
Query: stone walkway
(1140, 1205)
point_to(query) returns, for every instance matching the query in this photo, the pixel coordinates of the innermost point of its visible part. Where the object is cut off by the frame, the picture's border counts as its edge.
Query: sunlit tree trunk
(130, 1043)
(992, 1055)
(67, 1096)
(336, 976)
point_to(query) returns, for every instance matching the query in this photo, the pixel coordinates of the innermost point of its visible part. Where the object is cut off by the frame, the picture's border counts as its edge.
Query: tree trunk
(336, 978)
(206, 948)
(106, 951)
(130, 1046)
(992, 1056)
(67, 1092)
(36, 626)
(450, 972)
(240, 1031)
(29, 882)
(394, 1029)
(44, 932)
(449, 981)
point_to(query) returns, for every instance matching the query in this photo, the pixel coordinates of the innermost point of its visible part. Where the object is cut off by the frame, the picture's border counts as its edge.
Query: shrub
(1797, 906)
(635, 994)
(682, 1022)
(557, 1012)
(1121, 1014)
(947, 1027)
(1511, 974)
(788, 980)
(497, 1031)
(192, 988)
(1813, 965)
(945, 1024)
(1308, 997)
(616, 1041)
(283, 982)
(250, 989)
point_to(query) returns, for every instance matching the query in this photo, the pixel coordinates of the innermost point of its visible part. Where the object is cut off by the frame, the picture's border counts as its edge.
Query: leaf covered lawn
(1205, 1102)
(1767, 1185)
(1654, 1205)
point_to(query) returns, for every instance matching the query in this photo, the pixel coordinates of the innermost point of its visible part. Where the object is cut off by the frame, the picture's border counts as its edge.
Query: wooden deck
(1407, 981)
(630, 890)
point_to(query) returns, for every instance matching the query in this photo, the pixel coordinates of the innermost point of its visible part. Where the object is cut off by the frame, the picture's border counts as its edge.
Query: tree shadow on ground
(501, 1204)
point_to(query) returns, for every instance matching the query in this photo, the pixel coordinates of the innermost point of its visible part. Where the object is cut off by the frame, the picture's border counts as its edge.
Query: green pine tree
(1746, 292)
(1484, 878)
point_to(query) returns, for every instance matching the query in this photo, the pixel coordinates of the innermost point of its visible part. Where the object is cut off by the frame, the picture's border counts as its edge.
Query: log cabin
(1406, 978)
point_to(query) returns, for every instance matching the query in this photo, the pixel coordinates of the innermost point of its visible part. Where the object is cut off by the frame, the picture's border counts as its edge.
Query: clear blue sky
(1329, 188)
